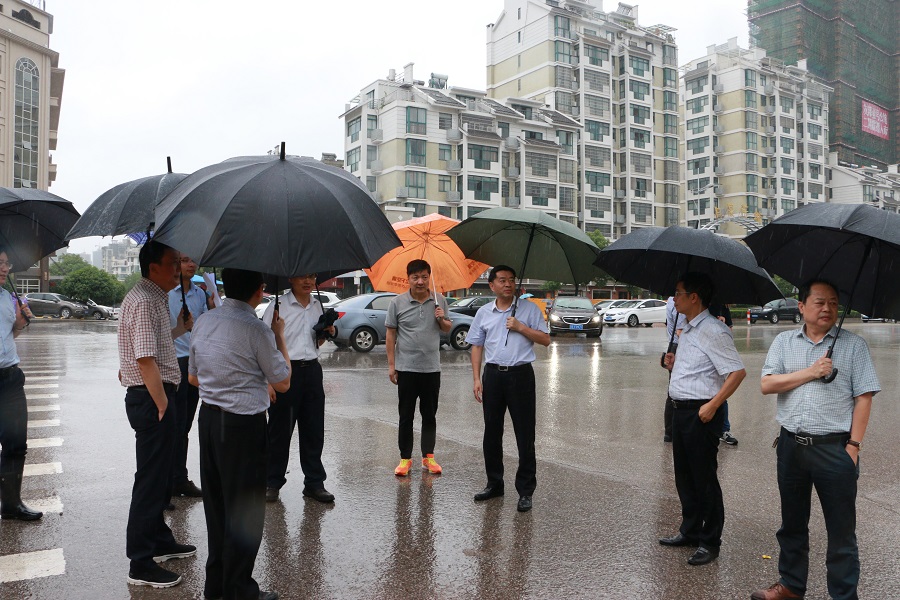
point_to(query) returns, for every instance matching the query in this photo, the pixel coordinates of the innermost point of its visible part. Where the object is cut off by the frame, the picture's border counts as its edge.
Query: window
(640, 212)
(596, 130)
(540, 165)
(670, 124)
(504, 129)
(353, 159)
(787, 104)
(483, 155)
(444, 183)
(749, 78)
(868, 193)
(752, 183)
(670, 170)
(814, 131)
(640, 137)
(752, 204)
(670, 193)
(566, 171)
(596, 55)
(416, 120)
(598, 157)
(597, 206)
(639, 89)
(815, 110)
(697, 125)
(370, 184)
(540, 193)
(597, 181)
(698, 166)
(567, 141)
(752, 141)
(640, 163)
(445, 121)
(639, 66)
(750, 99)
(698, 186)
(670, 55)
(566, 199)
(696, 105)
(787, 144)
(415, 152)
(526, 111)
(639, 187)
(788, 205)
(415, 181)
(563, 26)
(697, 85)
(564, 53)
(640, 114)
(670, 77)
(418, 208)
(751, 162)
(787, 185)
(597, 106)
(445, 152)
(371, 155)
(353, 128)
(698, 145)
(787, 166)
(750, 120)
(533, 135)
(814, 171)
(371, 124)
(671, 147)
(483, 186)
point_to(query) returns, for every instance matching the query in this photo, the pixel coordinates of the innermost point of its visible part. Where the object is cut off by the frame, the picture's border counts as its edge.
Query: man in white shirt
(303, 404)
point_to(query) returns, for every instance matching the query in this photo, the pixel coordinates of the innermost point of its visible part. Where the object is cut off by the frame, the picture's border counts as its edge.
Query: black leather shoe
(524, 504)
(22, 513)
(320, 494)
(678, 540)
(702, 556)
(271, 494)
(488, 493)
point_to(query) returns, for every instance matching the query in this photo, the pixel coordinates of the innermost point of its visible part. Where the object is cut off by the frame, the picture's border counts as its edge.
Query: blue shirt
(196, 303)
(233, 354)
(816, 407)
(673, 317)
(489, 330)
(706, 355)
(8, 355)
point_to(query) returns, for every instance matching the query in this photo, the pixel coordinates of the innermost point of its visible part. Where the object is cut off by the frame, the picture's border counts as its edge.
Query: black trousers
(233, 479)
(13, 422)
(695, 447)
(302, 405)
(154, 444)
(513, 390)
(424, 387)
(830, 469)
(185, 405)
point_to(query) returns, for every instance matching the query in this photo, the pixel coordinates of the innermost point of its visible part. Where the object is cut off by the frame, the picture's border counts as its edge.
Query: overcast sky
(205, 80)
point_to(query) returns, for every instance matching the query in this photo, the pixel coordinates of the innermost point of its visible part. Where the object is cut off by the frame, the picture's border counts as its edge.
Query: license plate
(576, 327)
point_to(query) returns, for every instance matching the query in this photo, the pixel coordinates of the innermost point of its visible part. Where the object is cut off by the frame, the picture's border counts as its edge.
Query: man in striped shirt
(705, 373)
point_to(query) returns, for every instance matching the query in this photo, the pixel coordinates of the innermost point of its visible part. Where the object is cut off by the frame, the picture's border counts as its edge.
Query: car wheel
(458, 338)
(97, 315)
(753, 321)
(363, 339)
(595, 334)
(797, 318)
(773, 318)
(552, 334)
(65, 313)
(648, 324)
(633, 321)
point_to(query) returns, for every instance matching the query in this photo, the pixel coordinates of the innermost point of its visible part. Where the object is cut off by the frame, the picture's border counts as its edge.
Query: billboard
(875, 120)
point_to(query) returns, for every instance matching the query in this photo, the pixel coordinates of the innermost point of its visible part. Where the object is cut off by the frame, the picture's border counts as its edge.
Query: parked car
(777, 310)
(98, 311)
(605, 305)
(469, 306)
(574, 315)
(55, 305)
(867, 318)
(636, 312)
(328, 299)
(360, 323)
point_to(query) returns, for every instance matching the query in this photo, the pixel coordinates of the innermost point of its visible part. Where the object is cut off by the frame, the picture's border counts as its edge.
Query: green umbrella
(544, 247)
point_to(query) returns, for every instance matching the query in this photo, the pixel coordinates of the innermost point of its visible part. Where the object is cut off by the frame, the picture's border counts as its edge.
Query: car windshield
(465, 301)
(771, 304)
(64, 298)
(603, 305)
(629, 304)
(573, 303)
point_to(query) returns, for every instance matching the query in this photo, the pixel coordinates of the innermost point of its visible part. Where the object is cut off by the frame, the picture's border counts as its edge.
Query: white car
(636, 312)
(326, 298)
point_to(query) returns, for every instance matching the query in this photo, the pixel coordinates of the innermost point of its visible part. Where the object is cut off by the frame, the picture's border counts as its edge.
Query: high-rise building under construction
(854, 46)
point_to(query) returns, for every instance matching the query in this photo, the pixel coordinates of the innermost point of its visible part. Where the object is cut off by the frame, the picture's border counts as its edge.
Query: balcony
(454, 166)
(454, 197)
(376, 136)
(511, 172)
(454, 135)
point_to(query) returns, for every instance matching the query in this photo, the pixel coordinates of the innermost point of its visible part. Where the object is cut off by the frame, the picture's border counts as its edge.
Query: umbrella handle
(834, 372)
(19, 300)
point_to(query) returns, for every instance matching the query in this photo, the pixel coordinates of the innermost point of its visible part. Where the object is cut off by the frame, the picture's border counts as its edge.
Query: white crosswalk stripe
(43, 396)
(40, 386)
(43, 423)
(50, 442)
(44, 378)
(51, 468)
(29, 565)
(50, 504)
(43, 408)
(29, 372)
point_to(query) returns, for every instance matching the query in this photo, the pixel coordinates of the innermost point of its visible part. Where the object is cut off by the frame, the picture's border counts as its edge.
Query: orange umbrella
(425, 238)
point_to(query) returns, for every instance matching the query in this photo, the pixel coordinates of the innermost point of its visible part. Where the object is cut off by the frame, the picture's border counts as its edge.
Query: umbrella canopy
(127, 208)
(280, 215)
(33, 223)
(199, 279)
(655, 258)
(856, 247)
(541, 246)
(425, 238)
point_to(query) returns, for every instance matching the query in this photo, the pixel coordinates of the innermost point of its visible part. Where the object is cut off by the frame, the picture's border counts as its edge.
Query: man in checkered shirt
(822, 429)
(149, 369)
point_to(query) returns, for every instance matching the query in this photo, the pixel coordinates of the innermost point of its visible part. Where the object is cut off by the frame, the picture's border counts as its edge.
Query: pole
(748, 316)
(515, 305)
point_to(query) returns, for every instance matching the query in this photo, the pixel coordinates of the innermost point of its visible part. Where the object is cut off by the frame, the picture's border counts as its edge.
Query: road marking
(43, 396)
(50, 442)
(30, 565)
(44, 377)
(53, 468)
(50, 504)
(43, 408)
(43, 423)
(41, 386)
(30, 372)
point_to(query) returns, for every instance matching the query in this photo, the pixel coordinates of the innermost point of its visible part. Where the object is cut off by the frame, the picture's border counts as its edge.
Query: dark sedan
(785, 309)
(469, 306)
(574, 315)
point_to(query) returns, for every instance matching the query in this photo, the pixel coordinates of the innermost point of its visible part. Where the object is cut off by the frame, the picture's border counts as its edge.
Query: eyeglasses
(682, 293)
(264, 287)
(6, 264)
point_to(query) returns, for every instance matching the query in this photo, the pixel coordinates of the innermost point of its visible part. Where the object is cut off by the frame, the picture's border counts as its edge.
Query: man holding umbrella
(507, 344)
(822, 429)
(705, 372)
(185, 405)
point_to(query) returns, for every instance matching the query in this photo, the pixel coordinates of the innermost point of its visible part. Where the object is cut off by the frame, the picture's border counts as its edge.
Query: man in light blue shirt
(187, 396)
(506, 342)
(705, 372)
(674, 325)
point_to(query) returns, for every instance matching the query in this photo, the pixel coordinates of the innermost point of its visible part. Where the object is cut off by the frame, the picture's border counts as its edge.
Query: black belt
(503, 368)
(8, 371)
(214, 407)
(169, 387)
(304, 363)
(687, 403)
(816, 440)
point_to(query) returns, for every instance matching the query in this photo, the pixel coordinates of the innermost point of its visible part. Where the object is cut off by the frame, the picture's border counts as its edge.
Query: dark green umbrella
(542, 246)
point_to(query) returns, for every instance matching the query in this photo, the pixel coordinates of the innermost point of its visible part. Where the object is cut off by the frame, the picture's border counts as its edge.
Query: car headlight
(595, 319)
(555, 318)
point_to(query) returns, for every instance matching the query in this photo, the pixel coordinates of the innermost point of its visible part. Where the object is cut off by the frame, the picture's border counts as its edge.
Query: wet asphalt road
(605, 486)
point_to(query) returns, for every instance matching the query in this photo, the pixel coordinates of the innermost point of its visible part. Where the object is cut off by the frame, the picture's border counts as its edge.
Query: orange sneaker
(431, 465)
(402, 469)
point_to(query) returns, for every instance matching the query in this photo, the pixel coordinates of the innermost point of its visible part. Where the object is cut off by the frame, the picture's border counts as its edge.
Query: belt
(304, 363)
(169, 387)
(816, 440)
(504, 368)
(7, 371)
(687, 403)
(214, 407)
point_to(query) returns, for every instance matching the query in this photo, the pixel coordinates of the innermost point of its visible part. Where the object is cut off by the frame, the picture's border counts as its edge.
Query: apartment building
(849, 183)
(423, 149)
(755, 139)
(619, 81)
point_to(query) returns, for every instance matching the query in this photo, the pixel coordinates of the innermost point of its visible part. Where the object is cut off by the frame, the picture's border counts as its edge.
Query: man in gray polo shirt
(415, 320)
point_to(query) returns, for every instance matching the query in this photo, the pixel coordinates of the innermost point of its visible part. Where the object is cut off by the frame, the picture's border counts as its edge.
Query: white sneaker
(728, 438)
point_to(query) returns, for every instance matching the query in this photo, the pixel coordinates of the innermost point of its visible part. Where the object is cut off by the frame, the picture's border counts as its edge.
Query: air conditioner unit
(770, 130)
(770, 151)
(377, 166)
(718, 108)
(512, 201)
(718, 88)
(454, 197)
(403, 192)
(376, 136)
(512, 172)
(620, 193)
(719, 129)
(719, 149)
(511, 143)
(719, 171)
(718, 190)
(454, 166)
(620, 218)
(770, 192)
(769, 89)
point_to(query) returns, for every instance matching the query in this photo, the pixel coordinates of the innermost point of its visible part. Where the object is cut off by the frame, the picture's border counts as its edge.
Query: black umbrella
(275, 214)
(854, 246)
(655, 258)
(128, 207)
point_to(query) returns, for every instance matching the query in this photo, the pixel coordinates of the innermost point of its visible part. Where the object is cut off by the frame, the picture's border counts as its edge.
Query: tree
(598, 238)
(130, 282)
(551, 286)
(91, 282)
(786, 289)
(66, 264)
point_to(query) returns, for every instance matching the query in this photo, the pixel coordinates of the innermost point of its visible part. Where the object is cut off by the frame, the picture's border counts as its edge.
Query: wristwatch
(854, 443)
